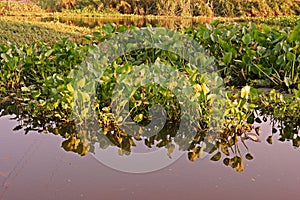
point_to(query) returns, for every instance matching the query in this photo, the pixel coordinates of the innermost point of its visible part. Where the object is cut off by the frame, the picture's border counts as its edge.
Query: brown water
(34, 166)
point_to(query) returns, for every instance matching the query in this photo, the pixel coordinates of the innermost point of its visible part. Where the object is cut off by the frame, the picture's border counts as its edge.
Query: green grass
(25, 32)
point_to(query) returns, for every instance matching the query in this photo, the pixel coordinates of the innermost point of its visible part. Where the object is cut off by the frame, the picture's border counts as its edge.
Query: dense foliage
(36, 85)
(246, 54)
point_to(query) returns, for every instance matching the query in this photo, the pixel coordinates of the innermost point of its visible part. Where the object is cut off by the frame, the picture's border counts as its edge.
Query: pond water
(35, 166)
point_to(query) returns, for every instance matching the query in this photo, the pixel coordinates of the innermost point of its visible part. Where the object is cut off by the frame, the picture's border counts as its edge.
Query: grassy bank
(17, 31)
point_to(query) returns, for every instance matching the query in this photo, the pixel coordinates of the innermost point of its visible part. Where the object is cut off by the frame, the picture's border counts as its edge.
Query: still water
(34, 166)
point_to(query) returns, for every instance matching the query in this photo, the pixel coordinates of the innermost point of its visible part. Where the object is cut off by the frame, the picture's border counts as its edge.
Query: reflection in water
(38, 169)
(78, 142)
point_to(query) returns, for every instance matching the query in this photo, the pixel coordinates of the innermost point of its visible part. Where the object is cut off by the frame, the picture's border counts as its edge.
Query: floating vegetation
(36, 86)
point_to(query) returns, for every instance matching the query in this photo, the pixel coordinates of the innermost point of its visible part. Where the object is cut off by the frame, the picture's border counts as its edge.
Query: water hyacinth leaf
(245, 92)
(5, 57)
(265, 119)
(295, 36)
(25, 89)
(253, 94)
(235, 161)
(246, 39)
(224, 149)
(257, 130)
(48, 53)
(192, 156)
(251, 118)
(227, 58)
(108, 28)
(249, 156)
(231, 142)
(205, 89)
(240, 165)
(201, 152)
(170, 149)
(70, 88)
(19, 127)
(253, 137)
(96, 34)
(55, 104)
(270, 140)
(226, 161)
(216, 157)
(258, 120)
(290, 56)
(138, 118)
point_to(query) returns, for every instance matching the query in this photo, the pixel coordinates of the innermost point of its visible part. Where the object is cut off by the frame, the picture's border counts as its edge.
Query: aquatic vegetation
(246, 54)
(284, 114)
(281, 21)
(36, 86)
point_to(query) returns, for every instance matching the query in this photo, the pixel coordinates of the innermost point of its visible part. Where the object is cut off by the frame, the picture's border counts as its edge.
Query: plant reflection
(36, 88)
(225, 145)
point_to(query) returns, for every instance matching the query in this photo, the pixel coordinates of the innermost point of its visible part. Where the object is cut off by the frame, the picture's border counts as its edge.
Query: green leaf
(251, 118)
(88, 37)
(227, 58)
(48, 53)
(138, 118)
(70, 88)
(96, 34)
(25, 89)
(108, 28)
(216, 157)
(246, 39)
(295, 36)
(290, 56)
(249, 156)
(245, 92)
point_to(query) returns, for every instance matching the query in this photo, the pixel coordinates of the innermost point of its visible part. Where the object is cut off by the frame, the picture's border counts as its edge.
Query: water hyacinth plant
(36, 86)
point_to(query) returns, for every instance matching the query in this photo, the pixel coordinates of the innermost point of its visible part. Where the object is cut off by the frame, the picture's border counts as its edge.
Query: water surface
(34, 166)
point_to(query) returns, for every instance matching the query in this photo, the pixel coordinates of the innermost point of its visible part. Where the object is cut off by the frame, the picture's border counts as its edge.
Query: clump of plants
(36, 86)
(247, 54)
